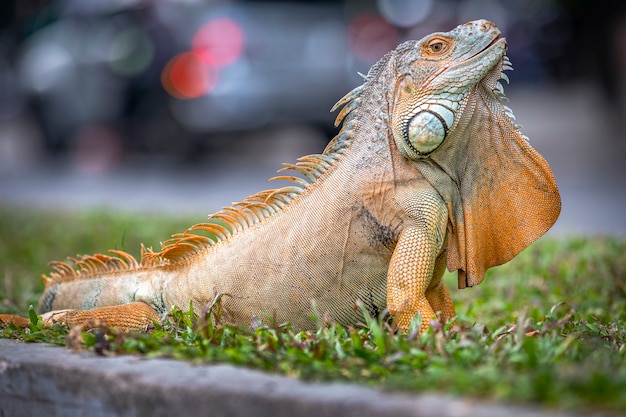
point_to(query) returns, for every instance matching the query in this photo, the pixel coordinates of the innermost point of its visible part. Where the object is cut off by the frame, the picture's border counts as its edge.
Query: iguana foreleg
(412, 284)
(437, 293)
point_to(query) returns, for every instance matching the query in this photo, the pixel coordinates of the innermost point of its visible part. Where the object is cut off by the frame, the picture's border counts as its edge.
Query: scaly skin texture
(428, 169)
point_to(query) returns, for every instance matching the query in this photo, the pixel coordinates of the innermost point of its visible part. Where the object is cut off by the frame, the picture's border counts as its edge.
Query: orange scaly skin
(428, 170)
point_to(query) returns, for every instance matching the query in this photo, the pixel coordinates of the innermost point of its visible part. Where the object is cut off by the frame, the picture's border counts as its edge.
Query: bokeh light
(44, 65)
(188, 76)
(131, 52)
(405, 13)
(218, 42)
(194, 73)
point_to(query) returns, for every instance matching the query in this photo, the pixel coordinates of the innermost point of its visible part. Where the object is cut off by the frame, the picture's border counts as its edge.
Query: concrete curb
(45, 380)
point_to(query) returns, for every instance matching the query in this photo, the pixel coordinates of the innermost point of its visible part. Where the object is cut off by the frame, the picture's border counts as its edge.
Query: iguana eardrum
(428, 170)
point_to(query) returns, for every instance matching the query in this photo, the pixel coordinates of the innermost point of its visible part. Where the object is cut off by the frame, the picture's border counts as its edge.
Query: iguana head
(447, 116)
(435, 76)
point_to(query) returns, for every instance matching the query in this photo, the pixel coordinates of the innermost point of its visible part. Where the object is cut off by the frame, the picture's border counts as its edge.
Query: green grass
(547, 328)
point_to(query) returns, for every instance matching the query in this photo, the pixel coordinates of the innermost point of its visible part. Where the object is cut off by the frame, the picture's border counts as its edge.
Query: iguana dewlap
(429, 170)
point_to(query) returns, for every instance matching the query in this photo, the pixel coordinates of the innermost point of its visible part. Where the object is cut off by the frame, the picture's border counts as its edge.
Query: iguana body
(428, 170)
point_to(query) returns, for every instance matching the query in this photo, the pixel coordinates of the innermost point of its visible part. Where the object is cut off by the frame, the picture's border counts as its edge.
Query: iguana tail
(90, 281)
(101, 289)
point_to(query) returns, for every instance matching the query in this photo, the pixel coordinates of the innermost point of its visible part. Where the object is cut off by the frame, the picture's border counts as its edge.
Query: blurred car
(166, 76)
(294, 62)
(171, 76)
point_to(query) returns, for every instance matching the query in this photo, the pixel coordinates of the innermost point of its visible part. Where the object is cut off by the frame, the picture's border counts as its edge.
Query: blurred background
(186, 105)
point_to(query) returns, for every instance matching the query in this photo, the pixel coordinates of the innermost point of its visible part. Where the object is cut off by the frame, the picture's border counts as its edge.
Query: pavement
(38, 380)
(571, 126)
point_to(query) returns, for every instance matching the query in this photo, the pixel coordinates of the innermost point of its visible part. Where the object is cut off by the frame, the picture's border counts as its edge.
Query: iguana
(428, 170)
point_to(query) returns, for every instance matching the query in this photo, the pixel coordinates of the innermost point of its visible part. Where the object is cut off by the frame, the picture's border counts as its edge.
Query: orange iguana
(428, 169)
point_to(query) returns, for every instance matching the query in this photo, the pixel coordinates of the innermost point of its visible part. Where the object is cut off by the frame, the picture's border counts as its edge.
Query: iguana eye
(436, 46)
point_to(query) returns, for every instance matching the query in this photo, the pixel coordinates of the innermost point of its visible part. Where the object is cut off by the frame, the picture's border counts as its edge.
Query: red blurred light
(219, 42)
(188, 76)
(371, 37)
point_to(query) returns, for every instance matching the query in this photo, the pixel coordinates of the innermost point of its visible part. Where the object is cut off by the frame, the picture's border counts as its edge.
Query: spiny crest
(501, 97)
(83, 266)
(225, 223)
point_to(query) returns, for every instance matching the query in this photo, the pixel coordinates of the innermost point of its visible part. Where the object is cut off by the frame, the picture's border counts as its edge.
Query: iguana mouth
(497, 42)
(486, 60)
(494, 41)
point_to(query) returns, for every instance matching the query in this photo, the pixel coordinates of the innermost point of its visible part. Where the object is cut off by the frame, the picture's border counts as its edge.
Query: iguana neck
(363, 142)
